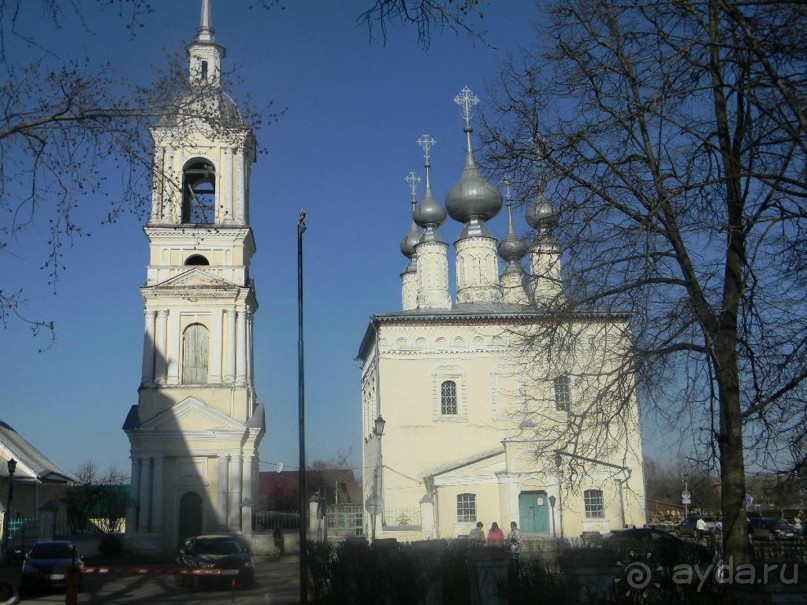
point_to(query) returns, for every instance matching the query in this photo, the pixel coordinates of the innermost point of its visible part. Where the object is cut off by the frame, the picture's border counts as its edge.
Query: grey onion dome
(410, 240)
(512, 248)
(473, 197)
(429, 214)
(541, 215)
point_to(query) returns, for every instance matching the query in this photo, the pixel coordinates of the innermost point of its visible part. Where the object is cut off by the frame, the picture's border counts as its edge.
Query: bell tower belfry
(196, 428)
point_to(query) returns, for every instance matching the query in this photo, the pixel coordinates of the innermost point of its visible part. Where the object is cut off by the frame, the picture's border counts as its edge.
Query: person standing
(477, 536)
(495, 535)
(514, 540)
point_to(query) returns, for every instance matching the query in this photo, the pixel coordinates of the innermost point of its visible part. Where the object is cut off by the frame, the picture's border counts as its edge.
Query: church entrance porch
(533, 512)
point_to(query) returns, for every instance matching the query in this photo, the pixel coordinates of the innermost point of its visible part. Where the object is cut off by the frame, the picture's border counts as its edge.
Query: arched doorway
(533, 512)
(190, 516)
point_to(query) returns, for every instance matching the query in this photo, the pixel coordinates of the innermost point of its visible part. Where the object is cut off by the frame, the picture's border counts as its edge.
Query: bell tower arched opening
(199, 192)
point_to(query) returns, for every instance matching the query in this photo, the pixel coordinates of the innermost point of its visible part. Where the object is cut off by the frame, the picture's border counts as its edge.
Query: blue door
(533, 512)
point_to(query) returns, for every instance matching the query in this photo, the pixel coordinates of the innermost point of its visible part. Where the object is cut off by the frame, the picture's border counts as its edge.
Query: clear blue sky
(342, 150)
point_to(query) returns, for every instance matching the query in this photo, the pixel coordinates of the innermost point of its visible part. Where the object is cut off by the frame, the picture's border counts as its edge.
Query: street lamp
(12, 468)
(377, 506)
(378, 429)
(552, 501)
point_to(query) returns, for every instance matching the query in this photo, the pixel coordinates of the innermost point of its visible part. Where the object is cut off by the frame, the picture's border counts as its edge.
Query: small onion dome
(429, 214)
(512, 248)
(541, 215)
(409, 242)
(473, 197)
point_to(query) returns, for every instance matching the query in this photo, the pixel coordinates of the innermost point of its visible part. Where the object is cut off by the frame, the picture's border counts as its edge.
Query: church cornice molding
(182, 230)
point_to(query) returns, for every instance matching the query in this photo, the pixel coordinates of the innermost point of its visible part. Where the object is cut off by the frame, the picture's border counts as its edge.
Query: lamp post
(301, 227)
(552, 500)
(11, 465)
(378, 432)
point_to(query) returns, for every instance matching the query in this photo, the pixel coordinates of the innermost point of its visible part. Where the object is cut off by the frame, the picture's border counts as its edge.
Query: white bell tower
(197, 426)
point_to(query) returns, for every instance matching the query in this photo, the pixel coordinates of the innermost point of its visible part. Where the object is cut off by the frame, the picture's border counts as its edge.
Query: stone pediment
(195, 278)
(477, 469)
(192, 415)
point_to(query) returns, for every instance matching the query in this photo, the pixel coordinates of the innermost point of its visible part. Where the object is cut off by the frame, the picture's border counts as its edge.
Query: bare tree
(669, 136)
(97, 498)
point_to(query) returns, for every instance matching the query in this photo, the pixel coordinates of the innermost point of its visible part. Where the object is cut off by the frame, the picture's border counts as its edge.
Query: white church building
(196, 428)
(482, 403)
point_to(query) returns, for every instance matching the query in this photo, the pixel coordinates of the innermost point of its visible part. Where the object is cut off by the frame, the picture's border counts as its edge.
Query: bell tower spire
(204, 53)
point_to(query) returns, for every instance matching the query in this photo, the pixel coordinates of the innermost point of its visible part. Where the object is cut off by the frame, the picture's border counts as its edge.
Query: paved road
(276, 583)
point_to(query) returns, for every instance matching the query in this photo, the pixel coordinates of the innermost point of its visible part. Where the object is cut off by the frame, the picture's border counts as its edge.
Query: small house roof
(32, 465)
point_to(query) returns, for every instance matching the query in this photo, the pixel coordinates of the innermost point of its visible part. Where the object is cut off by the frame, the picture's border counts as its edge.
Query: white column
(234, 522)
(168, 200)
(246, 479)
(158, 191)
(148, 350)
(241, 346)
(134, 494)
(229, 376)
(227, 185)
(221, 504)
(159, 339)
(250, 359)
(173, 348)
(145, 494)
(240, 193)
(216, 345)
(157, 494)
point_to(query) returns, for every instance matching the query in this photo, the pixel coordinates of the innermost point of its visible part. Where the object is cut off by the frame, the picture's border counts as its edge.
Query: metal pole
(301, 382)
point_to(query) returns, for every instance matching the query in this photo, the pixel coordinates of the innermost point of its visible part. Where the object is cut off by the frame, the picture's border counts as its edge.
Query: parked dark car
(768, 528)
(217, 552)
(689, 526)
(665, 548)
(45, 566)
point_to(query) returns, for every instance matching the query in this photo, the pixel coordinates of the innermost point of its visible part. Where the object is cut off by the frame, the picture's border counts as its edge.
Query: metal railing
(345, 520)
(263, 520)
(402, 517)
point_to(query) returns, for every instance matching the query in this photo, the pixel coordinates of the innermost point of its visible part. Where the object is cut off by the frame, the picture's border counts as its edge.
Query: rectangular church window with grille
(448, 398)
(563, 397)
(466, 507)
(592, 499)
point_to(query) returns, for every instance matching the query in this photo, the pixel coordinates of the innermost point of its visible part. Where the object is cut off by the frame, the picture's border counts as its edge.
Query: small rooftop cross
(466, 100)
(508, 193)
(426, 142)
(413, 181)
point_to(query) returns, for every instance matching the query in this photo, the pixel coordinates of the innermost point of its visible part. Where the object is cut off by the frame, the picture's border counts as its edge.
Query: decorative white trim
(455, 373)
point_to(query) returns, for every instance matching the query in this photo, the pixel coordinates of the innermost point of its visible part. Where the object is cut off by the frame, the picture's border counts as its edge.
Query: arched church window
(199, 193)
(448, 397)
(194, 355)
(196, 260)
(204, 70)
